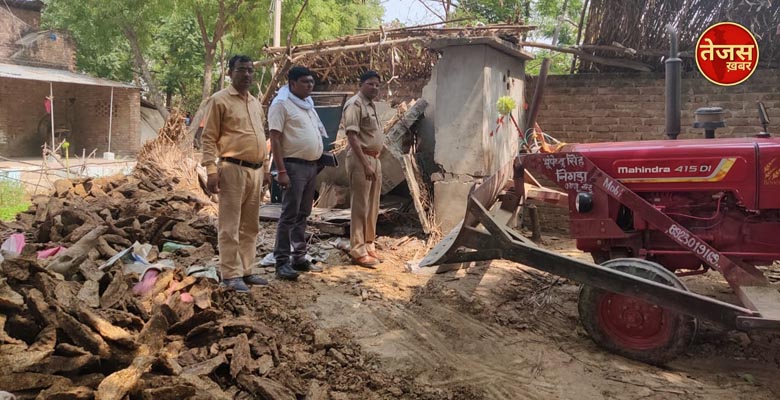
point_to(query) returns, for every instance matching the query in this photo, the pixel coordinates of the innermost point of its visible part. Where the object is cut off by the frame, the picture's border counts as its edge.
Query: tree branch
(219, 27)
(443, 19)
(202, 25)
(295, 24)
(140, 61)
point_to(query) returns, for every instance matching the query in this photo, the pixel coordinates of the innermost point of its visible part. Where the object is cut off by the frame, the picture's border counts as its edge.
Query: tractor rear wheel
(632, 327)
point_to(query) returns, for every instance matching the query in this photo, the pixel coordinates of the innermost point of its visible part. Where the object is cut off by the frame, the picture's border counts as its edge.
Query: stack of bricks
(587, 108)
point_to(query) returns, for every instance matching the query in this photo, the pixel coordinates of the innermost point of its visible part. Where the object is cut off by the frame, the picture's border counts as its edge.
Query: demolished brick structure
(463, 70)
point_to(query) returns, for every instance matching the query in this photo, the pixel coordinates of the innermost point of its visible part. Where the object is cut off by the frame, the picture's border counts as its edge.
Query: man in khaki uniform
(234, 133)
(366, 140)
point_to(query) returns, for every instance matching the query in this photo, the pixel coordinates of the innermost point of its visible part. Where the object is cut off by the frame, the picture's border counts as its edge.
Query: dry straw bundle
(170, 157)
(616, 25)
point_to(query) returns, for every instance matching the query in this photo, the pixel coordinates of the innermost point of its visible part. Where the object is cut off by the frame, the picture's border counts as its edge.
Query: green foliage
(505, 105)
(13, 199)
(560, 63)
(177, 57)
(326, 19)
(102, 48)
(489, 11)
(322, 19)
(545, 15)
(170, 38)
(542, 13)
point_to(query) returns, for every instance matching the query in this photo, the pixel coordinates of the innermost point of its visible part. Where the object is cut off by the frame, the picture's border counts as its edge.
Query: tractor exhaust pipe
(673, 86)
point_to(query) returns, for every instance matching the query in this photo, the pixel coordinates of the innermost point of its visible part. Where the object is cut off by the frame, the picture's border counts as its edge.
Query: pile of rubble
(115, 212)
(183, 338)
(106, 293)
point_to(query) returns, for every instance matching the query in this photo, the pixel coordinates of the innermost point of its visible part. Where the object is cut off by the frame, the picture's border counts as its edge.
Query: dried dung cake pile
(161, 201)
(123, 208)
(70, 329)
(184, 339)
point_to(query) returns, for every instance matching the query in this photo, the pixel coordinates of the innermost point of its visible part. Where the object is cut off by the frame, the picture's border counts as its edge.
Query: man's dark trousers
(297, 202)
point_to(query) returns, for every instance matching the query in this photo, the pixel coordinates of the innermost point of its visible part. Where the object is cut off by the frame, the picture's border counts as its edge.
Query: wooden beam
(626, 50)
(414, 182)
(615, 62)
(337, 49)
(395, 34)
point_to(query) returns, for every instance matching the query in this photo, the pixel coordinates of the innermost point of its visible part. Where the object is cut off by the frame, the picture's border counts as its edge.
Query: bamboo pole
(579, 33)
(635, 65)
(51, 108)
(110, 118)
(394, 34)
(362, 46)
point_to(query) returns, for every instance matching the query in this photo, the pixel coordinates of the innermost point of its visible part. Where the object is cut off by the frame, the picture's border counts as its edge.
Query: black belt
(299, 161)
(243, 163)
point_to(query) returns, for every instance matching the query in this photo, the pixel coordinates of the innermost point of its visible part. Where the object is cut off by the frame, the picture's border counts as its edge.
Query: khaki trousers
(364, 203)
(239, 218)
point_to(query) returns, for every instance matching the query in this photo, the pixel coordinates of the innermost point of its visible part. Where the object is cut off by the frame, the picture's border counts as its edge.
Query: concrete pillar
(469, 79)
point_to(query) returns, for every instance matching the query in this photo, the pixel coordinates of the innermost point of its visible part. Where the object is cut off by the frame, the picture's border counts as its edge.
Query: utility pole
(277, 29)
(277, 23)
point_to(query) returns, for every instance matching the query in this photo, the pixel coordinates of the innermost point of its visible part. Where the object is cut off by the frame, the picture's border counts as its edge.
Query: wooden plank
(529, 178)
(546, 195)
(394, 136)
(413, 181)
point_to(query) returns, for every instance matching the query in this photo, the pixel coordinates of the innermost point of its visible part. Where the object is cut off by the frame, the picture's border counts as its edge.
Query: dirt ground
(500, 330)
(486, 331)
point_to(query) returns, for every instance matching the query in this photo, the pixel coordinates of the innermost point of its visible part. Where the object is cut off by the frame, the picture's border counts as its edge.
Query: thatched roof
(636, 29)
(403, 53)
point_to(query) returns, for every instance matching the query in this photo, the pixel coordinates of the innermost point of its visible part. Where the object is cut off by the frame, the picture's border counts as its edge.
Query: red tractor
(649, 212)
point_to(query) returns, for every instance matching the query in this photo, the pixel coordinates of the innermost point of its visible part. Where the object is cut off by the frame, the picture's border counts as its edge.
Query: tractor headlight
(583, 202)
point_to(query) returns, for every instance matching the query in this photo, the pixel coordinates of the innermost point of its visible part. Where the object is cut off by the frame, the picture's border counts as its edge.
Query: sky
(409, 12)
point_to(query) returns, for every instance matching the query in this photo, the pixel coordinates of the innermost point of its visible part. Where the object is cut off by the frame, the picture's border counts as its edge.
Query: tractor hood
(694, 164)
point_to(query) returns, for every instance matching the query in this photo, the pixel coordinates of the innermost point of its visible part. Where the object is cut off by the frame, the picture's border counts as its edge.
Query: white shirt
(300, 130)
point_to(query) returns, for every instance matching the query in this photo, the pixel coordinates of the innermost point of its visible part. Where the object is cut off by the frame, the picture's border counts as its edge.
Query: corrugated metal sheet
(55, 75)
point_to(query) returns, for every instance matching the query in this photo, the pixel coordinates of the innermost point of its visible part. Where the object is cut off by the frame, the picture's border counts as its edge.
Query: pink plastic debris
(147, 282)
(14, 244)
(50, 252)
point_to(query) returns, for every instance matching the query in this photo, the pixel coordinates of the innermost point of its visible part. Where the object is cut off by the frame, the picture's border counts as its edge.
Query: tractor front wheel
(632, 327)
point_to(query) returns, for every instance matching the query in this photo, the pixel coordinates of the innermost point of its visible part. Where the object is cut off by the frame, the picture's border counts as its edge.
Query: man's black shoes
(306, 266)
(285, 271)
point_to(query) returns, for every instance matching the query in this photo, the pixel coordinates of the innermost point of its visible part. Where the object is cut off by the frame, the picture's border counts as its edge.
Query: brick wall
(30, 17)
(91, 129)
(82, 109)
(49, 49)
(11, 30)
(619, 107)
